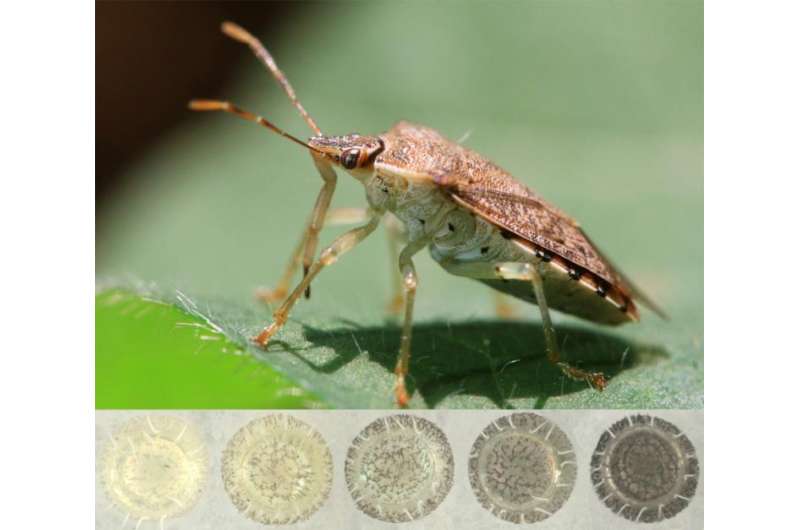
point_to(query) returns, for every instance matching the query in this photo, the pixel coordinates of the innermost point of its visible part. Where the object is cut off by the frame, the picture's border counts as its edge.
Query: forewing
(520, 211)
(490, 192)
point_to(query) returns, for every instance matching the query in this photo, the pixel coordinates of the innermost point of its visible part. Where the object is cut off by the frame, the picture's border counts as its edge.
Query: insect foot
(262, 339)
(596, 379)
(400, 393)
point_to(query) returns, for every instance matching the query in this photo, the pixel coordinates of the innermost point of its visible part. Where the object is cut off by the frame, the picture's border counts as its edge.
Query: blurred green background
(598, 106)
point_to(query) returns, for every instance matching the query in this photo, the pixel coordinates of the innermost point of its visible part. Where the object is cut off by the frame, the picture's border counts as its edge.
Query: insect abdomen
(569, 289)
(580, 302)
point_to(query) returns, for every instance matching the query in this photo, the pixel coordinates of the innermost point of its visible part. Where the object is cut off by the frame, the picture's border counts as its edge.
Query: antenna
(237, 32)
(225, 106)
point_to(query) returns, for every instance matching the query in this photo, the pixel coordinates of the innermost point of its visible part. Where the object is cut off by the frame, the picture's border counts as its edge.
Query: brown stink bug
(476, 220)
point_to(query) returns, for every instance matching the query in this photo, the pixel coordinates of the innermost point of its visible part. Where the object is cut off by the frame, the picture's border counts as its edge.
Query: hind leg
(595, 379)
(529, 272)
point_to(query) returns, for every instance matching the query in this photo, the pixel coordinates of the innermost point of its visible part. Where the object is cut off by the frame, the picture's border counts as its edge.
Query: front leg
(340, 246)
(319, 212)
(304, 251)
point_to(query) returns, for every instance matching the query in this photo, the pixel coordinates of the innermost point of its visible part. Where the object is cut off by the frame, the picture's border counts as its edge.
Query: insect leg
(282, 287)
(409, 274)
(335, 217)
(528, 272)
(395, 236)
(318, 213)
(347, 216)
(340, 246)
(595, 379)
(242, 35)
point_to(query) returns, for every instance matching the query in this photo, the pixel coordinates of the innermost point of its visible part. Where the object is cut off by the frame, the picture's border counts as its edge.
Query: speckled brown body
(589, 285)
(475, 219)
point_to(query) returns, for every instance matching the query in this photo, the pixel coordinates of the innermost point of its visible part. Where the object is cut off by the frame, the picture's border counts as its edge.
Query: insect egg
(277, 470)
(522, 468)
(154, 467)
(645, 469)
(399, 468)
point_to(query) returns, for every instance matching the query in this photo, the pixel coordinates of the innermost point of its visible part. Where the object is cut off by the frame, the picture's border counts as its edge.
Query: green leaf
(596, 106)
(150, 354)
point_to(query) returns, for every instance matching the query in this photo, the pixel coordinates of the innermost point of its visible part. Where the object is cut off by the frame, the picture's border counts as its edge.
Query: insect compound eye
(350, 159)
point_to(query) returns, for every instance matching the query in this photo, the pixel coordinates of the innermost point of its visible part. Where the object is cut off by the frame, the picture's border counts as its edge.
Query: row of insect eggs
(278, 469)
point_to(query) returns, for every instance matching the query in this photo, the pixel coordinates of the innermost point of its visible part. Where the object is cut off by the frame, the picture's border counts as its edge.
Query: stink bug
(476, 220)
